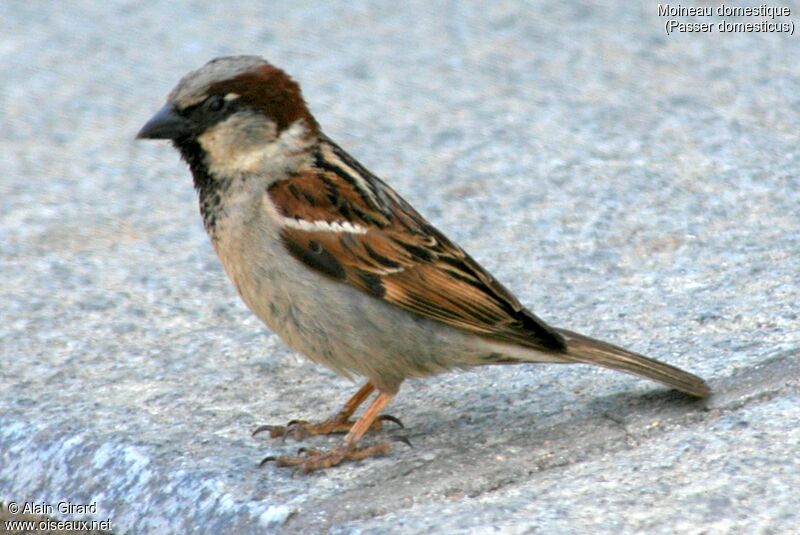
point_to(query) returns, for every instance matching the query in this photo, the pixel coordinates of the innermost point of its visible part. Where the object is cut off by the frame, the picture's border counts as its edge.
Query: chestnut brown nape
(273, 92)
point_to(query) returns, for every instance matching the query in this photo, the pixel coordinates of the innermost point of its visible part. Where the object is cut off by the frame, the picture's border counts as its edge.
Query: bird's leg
(310, 459)
(339, 423)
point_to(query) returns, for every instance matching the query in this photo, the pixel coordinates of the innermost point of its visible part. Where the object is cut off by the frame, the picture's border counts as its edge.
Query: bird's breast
(245, 236)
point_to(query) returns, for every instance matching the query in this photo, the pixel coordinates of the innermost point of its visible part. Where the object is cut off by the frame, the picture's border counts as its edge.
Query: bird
(341, 267)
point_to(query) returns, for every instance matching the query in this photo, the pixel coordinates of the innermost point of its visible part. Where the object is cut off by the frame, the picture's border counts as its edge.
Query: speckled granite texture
(637, 187)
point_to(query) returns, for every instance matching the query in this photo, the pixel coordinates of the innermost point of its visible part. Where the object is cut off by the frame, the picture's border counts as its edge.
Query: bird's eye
(215, 103)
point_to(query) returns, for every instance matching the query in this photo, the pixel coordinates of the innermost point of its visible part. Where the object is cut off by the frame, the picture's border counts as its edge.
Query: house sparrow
(338, 265)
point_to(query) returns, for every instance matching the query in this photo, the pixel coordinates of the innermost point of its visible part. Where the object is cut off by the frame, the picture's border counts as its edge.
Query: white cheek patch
(246, 143)
(237, 144)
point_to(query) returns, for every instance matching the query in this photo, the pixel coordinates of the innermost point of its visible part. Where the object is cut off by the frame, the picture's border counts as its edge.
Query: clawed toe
(390, 418)
(275, 431)
(308, 459)
(404, 440)
(267, 459)
(298, 429)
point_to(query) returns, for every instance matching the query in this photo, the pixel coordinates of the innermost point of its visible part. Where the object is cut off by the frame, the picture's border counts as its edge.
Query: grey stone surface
(633, 186)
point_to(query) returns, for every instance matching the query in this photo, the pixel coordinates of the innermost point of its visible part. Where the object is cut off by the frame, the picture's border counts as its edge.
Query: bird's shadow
(474, 423)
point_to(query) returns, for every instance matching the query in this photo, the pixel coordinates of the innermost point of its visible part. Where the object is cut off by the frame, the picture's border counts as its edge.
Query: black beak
(165, 124)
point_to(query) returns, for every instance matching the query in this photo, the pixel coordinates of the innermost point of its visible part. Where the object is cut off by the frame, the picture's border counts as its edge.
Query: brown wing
(396, 255)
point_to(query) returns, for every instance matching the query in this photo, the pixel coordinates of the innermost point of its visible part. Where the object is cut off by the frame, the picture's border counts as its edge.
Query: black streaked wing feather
(400, 258)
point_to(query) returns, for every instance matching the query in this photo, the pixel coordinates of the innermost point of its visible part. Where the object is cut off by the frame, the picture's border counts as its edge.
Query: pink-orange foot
(298, 429)
(309, 460)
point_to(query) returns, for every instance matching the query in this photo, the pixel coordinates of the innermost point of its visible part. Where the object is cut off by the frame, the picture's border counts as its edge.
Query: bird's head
(236, 114)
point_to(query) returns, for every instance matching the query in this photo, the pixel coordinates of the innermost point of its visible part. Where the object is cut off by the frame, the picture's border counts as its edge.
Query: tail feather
(587, 350)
